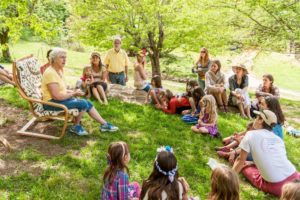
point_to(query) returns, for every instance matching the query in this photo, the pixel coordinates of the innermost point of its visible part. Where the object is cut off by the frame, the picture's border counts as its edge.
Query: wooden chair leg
(39, 135)
(63, 131)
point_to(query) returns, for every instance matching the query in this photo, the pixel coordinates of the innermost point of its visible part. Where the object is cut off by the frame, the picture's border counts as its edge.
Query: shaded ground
(12, 120)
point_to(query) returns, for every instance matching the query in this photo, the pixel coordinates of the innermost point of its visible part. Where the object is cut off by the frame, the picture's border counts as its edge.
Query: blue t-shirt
(277, 130)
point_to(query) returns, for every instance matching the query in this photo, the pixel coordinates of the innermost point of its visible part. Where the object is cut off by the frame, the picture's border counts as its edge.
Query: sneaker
(108, 127)
(78, 130)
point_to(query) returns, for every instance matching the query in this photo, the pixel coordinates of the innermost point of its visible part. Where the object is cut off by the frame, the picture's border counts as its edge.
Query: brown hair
(158, 182)
(203, 60)
(271, 78)
(157, 81)
(218, 63)
(274, 105)
(168, 94)
(291, 191)
(197, 95)
(100, 64)
(115, 156)
(224, 184)
(190, 85)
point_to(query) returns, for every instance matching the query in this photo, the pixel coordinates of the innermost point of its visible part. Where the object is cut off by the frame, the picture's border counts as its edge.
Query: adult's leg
(121, 79)
(96, 94)
(241, 109)
(6, 79)
(96, 116)
(201, 83)
(224, 98)
(102, 93)
(112, 78)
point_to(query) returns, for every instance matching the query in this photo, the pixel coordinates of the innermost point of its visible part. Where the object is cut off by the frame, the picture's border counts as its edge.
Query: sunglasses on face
(203, 51)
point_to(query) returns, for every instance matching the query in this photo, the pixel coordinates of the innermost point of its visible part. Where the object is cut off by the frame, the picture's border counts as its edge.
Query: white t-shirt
(164, 194)
(269, 155)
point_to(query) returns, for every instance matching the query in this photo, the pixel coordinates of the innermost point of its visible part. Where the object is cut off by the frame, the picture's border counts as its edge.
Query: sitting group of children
(164, 181)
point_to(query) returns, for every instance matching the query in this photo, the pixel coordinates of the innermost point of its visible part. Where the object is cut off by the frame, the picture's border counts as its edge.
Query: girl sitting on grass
(164, 181)
(197, 95)
(190, 86)
(207, 123)
(156, 88)
(116, 185)
(224, 184)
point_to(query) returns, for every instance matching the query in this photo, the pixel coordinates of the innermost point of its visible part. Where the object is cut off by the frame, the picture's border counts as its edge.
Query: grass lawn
(77, 173)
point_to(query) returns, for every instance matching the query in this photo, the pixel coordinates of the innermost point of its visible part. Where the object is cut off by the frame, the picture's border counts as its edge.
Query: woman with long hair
(202, 66)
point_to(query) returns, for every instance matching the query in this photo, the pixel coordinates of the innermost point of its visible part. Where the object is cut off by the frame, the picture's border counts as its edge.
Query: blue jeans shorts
(72, 103)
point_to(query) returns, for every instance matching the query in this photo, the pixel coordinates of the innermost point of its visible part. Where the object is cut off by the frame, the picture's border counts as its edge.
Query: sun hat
(95, 53)
(242, 66)
(268, 116)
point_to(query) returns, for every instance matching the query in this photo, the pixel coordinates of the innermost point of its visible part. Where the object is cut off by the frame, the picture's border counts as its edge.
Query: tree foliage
(44, 18)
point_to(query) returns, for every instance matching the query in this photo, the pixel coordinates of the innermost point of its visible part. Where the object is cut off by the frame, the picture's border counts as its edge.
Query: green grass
(78, 175)
(285, 72)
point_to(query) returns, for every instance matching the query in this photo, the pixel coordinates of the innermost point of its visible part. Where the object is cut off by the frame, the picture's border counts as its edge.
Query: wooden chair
(26, 74)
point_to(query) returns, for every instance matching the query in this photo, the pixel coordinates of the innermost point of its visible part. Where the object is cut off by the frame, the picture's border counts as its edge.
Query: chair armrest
(49, 104)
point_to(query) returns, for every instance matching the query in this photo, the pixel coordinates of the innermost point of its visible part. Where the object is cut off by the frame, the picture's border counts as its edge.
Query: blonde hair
(210, 104)
(291, 191)
(224, 184)
(203, 60)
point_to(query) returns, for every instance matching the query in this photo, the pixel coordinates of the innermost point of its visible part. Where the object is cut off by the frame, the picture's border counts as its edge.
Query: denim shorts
(72, 103)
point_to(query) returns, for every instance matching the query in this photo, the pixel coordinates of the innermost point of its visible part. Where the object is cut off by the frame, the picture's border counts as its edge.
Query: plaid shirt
(118, 190)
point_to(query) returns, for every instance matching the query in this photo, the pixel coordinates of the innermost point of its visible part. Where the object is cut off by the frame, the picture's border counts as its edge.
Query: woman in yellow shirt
(54, 90)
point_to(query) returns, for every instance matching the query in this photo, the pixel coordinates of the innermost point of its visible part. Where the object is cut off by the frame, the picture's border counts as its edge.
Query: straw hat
(268, 116)
(95, 53)
(242, 66)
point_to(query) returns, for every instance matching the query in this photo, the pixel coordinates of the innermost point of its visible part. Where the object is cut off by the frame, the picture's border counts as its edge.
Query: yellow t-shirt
(51, 76)
(116, 61)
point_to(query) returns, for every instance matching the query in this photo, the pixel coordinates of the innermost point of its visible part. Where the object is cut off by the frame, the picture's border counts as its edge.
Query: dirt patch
(14, 119)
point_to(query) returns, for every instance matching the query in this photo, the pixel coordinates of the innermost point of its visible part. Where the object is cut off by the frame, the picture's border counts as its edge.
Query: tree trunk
(4, 45)
(155, 47)
(154, 54)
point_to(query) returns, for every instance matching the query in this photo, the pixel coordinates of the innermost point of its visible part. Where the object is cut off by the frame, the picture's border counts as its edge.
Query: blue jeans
(72, 103)
(147, 88)
(117, 78)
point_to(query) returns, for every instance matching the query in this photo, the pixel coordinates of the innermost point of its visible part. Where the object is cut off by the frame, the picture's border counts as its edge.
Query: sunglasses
(202, 51)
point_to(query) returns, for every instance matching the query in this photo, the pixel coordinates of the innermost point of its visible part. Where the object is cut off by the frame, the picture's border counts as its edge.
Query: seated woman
(266, 89)
(238, 86)
(272, 168)
(6, 76)
(98, 86)
(55, 90)
(172, 104)
(215, 85)
(140, 76)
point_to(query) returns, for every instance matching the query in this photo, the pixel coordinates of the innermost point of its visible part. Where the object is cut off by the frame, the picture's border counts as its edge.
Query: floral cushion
(30, 81)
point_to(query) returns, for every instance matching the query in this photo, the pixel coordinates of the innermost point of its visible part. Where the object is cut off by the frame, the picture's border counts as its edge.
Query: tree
(263, 23)
(44, 18)
(159, 25)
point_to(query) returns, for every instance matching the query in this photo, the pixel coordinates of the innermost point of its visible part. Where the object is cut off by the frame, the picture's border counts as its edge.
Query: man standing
(117, 61)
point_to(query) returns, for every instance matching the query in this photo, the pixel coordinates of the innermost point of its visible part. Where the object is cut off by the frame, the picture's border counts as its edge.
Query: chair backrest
(29, 76)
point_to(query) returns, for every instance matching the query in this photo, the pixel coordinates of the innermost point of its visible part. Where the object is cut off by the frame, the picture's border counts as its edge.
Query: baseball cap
(268, 116)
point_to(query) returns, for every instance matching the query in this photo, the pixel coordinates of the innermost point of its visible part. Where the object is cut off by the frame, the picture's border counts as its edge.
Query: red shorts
(255, 178)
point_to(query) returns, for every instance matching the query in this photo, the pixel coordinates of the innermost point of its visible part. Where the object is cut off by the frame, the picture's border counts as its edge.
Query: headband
(170, 173)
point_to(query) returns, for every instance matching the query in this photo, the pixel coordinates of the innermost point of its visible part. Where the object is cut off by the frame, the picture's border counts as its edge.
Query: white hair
(55, 53)
(117, 37)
